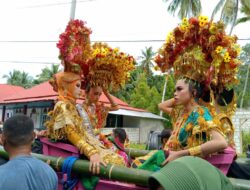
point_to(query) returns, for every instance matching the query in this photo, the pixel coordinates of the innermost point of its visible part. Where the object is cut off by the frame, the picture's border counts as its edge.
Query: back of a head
(18, 130)
(165, 133)
(189, 173)
(120, 133)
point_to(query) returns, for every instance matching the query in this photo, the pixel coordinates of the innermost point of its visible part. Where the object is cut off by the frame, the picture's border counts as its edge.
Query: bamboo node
(110, 171)
(57, 163)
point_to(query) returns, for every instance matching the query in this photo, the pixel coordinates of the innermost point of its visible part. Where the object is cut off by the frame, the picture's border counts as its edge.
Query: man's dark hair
(18, 130)
(165, 133)
(120, 133)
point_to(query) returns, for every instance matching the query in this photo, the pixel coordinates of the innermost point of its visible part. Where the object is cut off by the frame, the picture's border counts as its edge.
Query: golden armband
(86, 148)
(194, 151)
(79, 141)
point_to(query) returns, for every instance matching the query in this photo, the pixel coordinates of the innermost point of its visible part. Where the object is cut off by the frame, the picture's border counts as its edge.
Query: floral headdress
(75, 51)
(108, 68)
(74, 46)
(200, 49)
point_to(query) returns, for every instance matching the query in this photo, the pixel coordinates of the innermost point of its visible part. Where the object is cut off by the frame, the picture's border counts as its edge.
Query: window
(114, 121)
(44, 117)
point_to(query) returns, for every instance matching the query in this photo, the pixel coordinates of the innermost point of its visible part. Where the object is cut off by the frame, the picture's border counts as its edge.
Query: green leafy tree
(19, 78)
(140, 95)
(185, 8)
(144, 96)
(244, 80)
(125, 93)
(47, 74)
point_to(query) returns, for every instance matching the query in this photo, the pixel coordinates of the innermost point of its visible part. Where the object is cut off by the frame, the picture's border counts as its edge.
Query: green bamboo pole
(133, 153)
(123, 174)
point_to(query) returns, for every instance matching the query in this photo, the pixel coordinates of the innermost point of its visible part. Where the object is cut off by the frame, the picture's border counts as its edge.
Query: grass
(137, 146)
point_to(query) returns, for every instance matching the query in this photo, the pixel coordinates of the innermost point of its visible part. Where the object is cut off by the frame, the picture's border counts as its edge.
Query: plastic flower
(189, 127)
(170, 37)
(156, 68)
(185, 20)
(200, 111)
(201, 121)
(183, 49)
(74, 43)
(203, 20)
(227, 57)
(237, 48)
(213, 29)
(184, 25)
(218, 49)
(110, 68)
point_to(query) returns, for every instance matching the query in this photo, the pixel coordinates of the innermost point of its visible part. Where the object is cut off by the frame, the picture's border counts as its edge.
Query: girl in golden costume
(204, 61)
(65, 122)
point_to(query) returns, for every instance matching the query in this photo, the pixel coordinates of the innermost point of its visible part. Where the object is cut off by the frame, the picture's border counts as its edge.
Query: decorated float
(97, 64)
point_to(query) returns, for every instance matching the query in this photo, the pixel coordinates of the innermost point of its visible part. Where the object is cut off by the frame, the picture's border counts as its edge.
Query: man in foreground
(22, 171)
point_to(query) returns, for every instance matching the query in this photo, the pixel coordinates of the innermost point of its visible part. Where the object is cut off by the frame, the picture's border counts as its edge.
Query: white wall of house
(131, 122)
(138, 128)
(133, 133)
(241, 121)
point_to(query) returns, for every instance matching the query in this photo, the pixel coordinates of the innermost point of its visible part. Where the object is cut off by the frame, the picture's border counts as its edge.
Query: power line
(120, 41)
(55, 4)
(29, 62)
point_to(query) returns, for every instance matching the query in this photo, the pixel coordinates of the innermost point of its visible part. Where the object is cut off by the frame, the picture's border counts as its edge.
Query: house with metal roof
(6, 91)
(37, 101)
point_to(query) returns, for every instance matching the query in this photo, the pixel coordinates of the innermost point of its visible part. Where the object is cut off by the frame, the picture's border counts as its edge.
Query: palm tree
(19, 78)
(47, 73)
(229, 12)
(13, 77)
(245, 9)
(187, 8)
(146, 60)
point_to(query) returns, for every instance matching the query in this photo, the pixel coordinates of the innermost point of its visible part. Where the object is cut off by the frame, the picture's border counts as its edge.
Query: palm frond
(196, 7)
(217, 8)
(242, 20)
(245, 7)
(173, 6)
(183, 9)
(229, 12)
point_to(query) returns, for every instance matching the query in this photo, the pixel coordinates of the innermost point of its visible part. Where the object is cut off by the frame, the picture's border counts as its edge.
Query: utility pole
(164, 89)
(73, 10)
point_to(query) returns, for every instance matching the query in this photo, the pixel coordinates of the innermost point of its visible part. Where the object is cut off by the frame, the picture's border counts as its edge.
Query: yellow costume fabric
(191, 129)
(66, 124)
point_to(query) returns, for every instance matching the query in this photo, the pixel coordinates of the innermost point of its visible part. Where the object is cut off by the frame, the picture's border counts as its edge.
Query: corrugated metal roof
(8, 90)
(137, 114)
(45, 92)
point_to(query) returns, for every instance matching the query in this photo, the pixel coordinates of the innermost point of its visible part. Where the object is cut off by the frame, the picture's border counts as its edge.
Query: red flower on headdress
(74, 43)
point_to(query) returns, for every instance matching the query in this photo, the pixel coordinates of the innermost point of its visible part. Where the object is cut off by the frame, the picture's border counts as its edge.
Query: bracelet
(194, 151)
